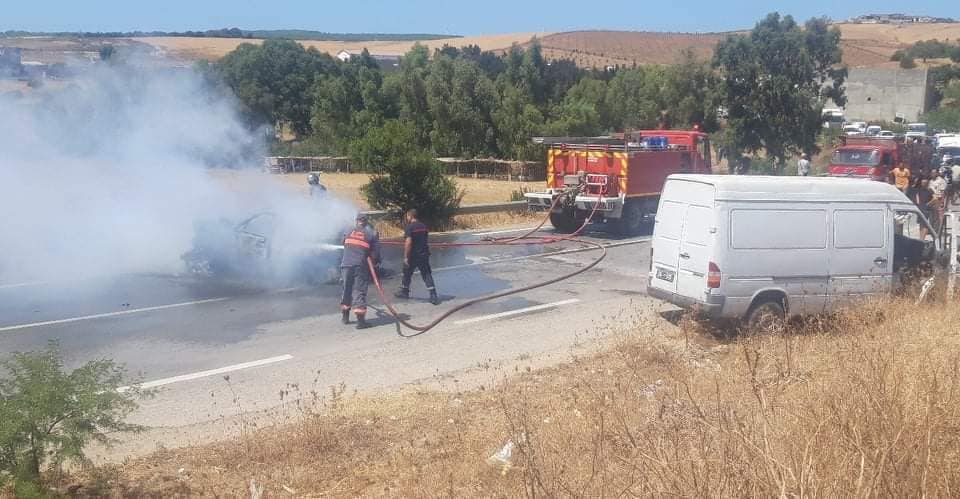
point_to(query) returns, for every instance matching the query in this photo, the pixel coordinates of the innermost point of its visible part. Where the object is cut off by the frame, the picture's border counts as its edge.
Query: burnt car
(264, 248)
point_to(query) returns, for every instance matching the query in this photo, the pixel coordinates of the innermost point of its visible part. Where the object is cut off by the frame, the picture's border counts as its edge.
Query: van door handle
(684, 255)
(880, 260)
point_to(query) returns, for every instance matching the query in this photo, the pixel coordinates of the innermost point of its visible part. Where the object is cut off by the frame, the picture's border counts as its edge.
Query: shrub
(407, 177)
(48, 416)
(907, 63)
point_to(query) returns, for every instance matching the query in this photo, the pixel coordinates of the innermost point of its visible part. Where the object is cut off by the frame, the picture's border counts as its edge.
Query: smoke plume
(110, 172)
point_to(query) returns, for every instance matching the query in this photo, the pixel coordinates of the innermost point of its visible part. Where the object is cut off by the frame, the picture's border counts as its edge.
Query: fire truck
(624, 173)
(874, 157)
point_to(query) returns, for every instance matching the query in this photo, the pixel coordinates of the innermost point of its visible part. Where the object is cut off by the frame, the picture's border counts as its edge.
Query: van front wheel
(766, 317)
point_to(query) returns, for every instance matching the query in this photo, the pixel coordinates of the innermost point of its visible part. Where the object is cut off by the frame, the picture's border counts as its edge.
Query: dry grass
(864, 405)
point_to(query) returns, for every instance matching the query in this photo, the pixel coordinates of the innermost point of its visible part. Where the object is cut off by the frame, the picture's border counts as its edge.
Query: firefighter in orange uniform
(359, 244)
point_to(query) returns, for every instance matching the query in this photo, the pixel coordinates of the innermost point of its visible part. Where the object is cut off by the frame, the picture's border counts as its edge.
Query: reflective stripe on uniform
(357, 238)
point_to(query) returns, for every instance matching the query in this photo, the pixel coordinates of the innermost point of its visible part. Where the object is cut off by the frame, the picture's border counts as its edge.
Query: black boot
(362, 322)
(434, 299)
(345, 317)
(402, 293)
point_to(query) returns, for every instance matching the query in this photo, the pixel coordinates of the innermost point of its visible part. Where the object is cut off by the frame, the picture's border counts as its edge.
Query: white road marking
(541, 255)
(517, 312)
(211, 372)
(503, 231)
(22, 284)
(111, 314)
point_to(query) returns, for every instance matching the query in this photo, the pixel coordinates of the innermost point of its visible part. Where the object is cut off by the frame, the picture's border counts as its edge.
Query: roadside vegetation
(861, 405)
(48, 415)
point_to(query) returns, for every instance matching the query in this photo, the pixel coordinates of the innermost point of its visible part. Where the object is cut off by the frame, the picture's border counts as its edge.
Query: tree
(407, 177)
(47, 416)
(274, 80)
(773, 82)
(907, 63)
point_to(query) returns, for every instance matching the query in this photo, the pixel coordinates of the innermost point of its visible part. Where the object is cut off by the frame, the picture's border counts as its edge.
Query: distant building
(11, 62)
(881, 94)
(382, 60)
(898, 19)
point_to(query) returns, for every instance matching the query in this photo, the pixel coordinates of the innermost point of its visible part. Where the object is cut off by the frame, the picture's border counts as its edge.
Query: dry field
(477, 191)
(215, 48)
(864, 405)
(602, 48)
(863, 44)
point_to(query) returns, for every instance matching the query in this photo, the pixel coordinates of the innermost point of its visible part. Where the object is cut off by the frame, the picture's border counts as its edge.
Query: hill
(863, 44)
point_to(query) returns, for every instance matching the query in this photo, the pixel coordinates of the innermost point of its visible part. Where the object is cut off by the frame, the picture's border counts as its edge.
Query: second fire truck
(624, 173)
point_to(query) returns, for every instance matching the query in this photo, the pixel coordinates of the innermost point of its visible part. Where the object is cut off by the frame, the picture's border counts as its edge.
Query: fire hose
(522, 239)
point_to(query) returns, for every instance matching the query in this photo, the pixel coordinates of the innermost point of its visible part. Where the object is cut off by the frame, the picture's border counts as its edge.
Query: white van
(745, 247)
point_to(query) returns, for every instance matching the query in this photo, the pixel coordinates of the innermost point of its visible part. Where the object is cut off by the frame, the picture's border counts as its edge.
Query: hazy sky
(430, 16)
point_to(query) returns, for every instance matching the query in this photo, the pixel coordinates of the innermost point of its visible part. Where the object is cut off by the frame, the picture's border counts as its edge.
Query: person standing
(803, 166)
(359, 245)
(901, 178)
(416, 256)
(938, 186)
(923, 197)
(316, 188)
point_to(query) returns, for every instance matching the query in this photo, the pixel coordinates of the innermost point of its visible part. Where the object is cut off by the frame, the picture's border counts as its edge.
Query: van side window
(858, 229)
(778, 229)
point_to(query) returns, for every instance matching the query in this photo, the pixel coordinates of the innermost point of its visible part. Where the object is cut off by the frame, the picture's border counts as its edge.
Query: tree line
(464, 102)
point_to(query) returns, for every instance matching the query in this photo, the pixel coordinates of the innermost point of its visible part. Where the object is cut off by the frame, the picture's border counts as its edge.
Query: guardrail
(472, 209)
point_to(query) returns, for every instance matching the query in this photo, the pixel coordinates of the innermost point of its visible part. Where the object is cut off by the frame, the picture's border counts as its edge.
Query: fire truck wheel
(631, 220)
(564, 222)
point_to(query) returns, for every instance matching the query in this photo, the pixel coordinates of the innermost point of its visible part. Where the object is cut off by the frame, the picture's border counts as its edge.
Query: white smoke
(110, 173)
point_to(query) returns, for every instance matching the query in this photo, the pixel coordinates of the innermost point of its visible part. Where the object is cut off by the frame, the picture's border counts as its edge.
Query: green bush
(407, 177)
(907, 63)
(48, 416)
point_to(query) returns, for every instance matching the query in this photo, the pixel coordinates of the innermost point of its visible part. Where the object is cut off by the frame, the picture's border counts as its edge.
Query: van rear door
(681, 238)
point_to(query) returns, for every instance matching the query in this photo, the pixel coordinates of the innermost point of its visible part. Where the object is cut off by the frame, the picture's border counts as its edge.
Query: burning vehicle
(263, 247)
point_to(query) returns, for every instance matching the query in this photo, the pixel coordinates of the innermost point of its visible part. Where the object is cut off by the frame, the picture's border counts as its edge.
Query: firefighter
(416, 256)
(359, 244)
(316, 188)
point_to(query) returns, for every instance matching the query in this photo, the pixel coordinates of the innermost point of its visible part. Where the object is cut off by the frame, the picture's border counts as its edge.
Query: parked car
(763, 248)
(886, 134)
(873, 131)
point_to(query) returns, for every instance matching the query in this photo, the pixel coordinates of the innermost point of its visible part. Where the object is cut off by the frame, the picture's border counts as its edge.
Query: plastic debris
(502, 458)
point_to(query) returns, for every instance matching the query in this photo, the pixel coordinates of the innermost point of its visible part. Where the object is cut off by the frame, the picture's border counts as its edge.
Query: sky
(431, 16)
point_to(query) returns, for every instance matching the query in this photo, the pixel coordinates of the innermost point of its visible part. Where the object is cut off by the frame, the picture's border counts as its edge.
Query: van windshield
(855, 157)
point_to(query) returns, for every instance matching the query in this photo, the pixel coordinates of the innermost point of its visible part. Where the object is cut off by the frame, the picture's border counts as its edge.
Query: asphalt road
(184, 335)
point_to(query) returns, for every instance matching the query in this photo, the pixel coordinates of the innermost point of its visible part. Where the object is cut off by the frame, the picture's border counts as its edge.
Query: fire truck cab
(624, 173)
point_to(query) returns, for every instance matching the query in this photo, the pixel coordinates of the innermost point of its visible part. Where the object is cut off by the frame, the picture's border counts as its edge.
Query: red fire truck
(874, 157)
(624, 173)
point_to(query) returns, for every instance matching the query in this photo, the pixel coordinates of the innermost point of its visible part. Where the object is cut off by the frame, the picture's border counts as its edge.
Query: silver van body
(725, 243)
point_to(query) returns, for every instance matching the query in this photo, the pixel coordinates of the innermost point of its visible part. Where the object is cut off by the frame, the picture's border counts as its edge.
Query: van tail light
(713, 276)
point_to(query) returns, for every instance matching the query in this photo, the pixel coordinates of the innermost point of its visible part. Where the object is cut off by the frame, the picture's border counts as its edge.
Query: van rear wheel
(766, 317)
